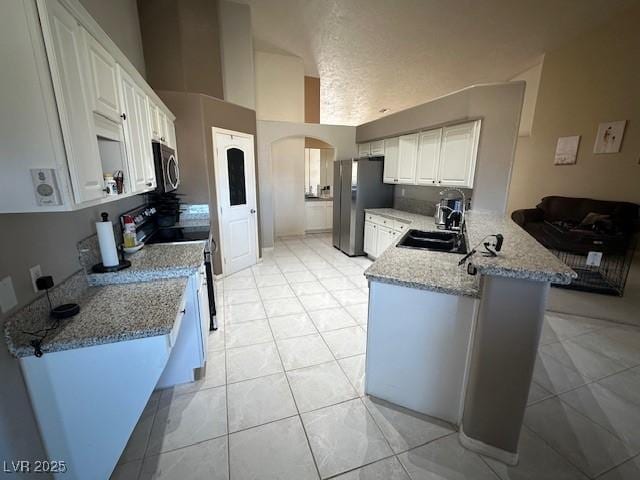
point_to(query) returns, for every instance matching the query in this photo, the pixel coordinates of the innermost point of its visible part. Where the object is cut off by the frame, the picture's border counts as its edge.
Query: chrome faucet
(444, 193)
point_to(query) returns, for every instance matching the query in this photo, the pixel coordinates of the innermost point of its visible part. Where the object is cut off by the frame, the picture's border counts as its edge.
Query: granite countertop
(111, 313)
(521, 257)
(154, 262)
(140, 301)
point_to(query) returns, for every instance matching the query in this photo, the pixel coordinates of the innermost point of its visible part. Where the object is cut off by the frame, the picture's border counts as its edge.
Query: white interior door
(235, 182)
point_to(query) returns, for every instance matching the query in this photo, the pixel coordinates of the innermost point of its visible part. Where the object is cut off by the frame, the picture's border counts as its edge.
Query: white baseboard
(482, 448)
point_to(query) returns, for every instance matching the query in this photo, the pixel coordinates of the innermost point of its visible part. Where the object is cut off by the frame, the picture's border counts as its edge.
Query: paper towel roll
(107, 241)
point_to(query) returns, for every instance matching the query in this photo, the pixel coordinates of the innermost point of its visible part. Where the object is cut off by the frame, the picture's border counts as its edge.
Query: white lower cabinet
(318, 215)
(380, 233)
(370, 239)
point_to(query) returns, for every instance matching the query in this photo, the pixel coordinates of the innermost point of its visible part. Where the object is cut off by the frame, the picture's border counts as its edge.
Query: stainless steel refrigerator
(357, 184)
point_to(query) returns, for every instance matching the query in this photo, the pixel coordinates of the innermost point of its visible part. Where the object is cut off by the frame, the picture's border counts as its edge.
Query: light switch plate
(36, 273)
(8, 298)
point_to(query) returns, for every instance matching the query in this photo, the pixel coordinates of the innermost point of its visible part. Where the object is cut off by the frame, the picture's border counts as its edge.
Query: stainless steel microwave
(167, 170)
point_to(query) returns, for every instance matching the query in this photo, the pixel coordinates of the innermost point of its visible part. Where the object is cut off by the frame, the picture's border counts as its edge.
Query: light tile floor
(283, 395)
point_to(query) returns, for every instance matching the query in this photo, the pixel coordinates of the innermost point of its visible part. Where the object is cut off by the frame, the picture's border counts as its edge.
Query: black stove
(178, 234)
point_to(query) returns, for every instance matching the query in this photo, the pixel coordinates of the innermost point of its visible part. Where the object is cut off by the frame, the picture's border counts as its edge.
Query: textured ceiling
(373, 54)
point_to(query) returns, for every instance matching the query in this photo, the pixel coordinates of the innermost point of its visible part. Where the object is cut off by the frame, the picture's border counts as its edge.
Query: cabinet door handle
(123, 116)
(162, 138)
(149, 184)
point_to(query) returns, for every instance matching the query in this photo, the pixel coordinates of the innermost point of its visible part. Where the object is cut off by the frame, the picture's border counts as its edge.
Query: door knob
(252, 211)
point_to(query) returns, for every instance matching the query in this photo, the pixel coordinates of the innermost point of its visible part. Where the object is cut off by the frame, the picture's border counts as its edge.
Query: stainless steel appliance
(149, 232)
(167, 171)
(357, 184)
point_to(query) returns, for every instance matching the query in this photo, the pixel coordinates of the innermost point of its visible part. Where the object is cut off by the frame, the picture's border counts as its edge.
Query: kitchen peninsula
(458, 346)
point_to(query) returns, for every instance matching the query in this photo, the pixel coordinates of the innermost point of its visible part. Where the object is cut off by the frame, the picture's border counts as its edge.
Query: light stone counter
(155, 262)
(111, 313)
(521, 257)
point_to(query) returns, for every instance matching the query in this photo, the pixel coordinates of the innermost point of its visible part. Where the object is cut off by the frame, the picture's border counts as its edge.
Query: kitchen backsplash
(419, 199)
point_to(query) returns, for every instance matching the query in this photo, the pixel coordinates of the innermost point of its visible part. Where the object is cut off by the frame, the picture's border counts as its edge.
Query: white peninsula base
(418, 344)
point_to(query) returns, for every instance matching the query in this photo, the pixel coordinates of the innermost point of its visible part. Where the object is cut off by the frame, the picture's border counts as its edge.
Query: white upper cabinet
(377, 148)
(441, 157)
(137, 132)
(102, 79)
(390, 174)
(67, 88)
(364, 150)
(64, 44)
(428, 157)
(154, 117)
(169, 135)
(407, 158)
(458, 154)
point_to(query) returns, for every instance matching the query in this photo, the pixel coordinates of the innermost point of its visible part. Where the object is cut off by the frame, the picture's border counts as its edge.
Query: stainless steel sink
(451, 242)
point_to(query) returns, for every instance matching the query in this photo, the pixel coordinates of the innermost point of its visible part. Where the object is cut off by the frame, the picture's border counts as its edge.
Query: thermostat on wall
(45, 186)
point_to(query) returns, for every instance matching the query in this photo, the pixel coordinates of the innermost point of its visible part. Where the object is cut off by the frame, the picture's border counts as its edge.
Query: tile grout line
(295, 403)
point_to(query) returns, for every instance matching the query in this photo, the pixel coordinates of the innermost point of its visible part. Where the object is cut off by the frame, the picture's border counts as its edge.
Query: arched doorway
(302, 172)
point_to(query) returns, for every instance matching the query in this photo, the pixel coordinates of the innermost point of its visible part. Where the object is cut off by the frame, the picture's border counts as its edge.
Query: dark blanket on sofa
(580, 225)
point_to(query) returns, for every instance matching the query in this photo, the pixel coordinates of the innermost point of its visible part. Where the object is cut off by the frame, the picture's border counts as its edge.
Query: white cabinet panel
(364, 149)
(385, 238)
(377, 148)
(370, 239)
(458, 154)
(137, 134)
(407, 158)
(171, 134)
(164, 126)
(428, 157)
(315, 215)
(69, 71)
(102, 79)
(390, 174)
(328, 216)
(154, 111)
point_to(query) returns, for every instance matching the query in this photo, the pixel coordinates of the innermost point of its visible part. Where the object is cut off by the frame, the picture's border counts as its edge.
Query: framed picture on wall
(609, 137)
(567, 150)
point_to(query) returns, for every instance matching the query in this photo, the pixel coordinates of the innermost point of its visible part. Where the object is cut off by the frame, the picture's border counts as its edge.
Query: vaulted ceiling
(375, 54)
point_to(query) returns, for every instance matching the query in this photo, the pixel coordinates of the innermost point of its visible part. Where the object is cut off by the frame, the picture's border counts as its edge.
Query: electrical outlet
(402, 192)
(36, 273)
(8, 298)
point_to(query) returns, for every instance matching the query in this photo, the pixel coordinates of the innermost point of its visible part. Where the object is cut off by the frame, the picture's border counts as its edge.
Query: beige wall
(119, 19)
(279, 87)
(592, 79)
(236, 47)
(311, 100)
(498, 105)
(196, 114)
(182, 45)
(287, 156)
(342, 138)
(531, 77)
